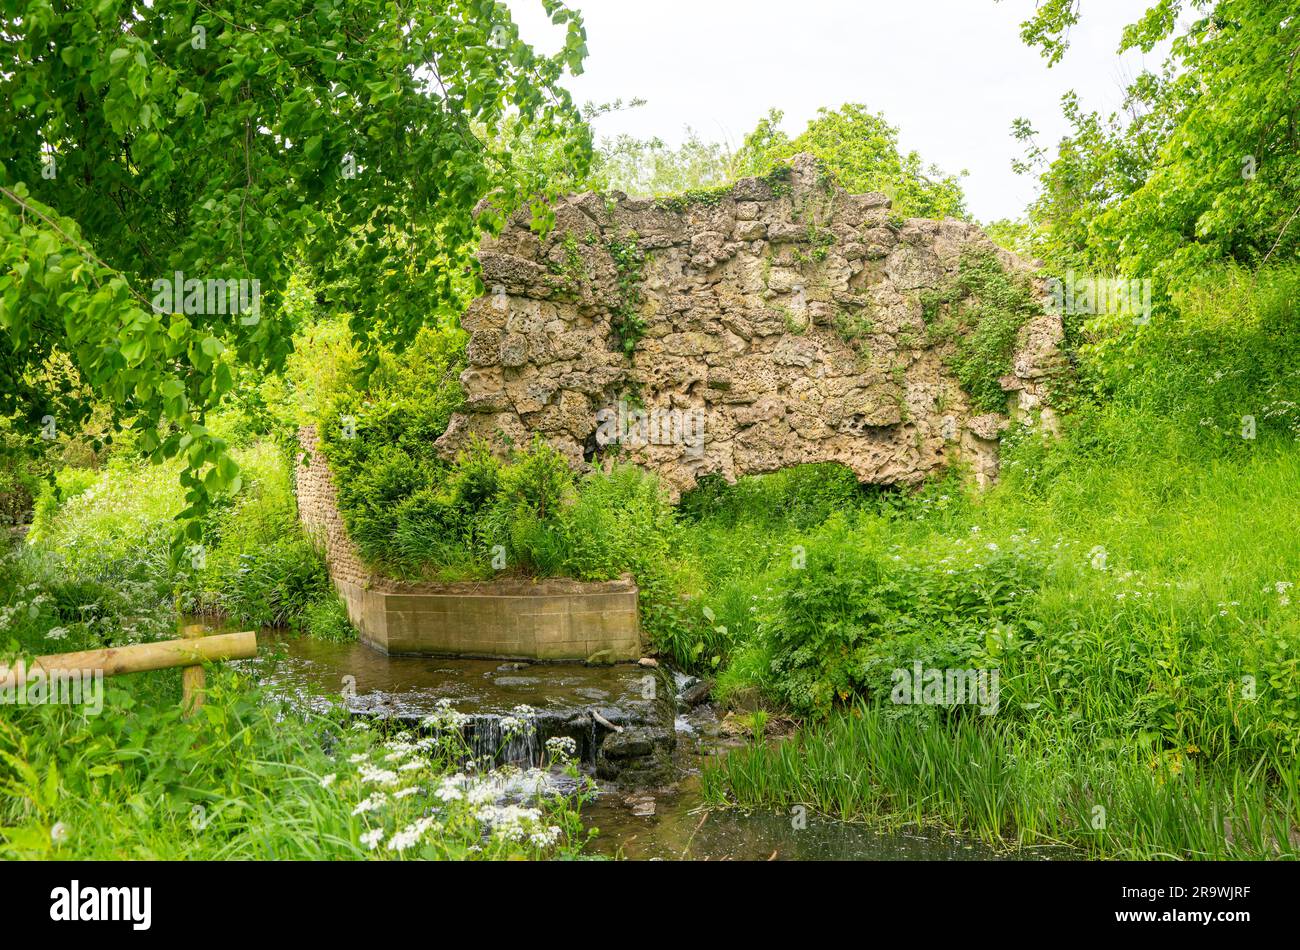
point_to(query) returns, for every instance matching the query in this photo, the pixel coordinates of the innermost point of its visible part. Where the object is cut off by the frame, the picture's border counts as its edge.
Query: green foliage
(167, 139)
(380, 443)
(1202, 163)
(981, 312)
(21, 469)
(839, 622)
(803, 496)
(536, 483)
(693, 197)
(249, 778)
(860, 148)
(1225, 353)
(276, 585)
(648, 167)
(852, 325)
(326, 618)
(1044, 790)
(100, 542)
(626, 319)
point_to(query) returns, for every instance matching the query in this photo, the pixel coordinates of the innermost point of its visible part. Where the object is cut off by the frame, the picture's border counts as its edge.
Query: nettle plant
(145, 140)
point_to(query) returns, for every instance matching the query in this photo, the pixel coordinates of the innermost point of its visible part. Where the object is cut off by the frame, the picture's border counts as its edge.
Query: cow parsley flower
(450, 790)
(373, 803)
(410, 835)
(373, 776)
(561, 747)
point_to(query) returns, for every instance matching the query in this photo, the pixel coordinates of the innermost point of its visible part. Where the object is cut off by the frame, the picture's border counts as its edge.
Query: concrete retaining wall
(549, 619)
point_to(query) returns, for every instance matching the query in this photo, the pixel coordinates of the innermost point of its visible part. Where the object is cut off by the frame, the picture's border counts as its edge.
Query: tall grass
(248, 779)
(1016, 788)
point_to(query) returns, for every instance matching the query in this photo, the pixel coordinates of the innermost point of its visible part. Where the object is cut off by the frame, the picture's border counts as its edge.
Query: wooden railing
(190, 652)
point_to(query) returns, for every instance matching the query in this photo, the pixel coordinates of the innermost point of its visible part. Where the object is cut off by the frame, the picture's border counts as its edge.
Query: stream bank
(643, 747)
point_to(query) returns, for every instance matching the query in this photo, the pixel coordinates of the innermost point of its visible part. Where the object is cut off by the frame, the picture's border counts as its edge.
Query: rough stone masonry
(781, 323)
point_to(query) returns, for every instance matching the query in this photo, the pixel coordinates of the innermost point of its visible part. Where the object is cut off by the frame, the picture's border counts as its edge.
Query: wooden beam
(141, 657)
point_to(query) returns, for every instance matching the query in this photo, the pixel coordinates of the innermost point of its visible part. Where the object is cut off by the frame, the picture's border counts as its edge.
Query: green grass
(1016, 789)
(104, 538)
(1134, 584)
(1152, 667)
(247, 779)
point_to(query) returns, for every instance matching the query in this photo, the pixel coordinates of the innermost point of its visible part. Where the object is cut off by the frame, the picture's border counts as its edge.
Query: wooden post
(193, 679)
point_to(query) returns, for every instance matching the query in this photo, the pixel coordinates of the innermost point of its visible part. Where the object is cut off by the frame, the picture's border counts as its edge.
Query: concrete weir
(547, 619)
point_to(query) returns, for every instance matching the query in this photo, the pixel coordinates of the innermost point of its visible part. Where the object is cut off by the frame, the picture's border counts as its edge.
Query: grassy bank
(126, 776)
(1133, 584)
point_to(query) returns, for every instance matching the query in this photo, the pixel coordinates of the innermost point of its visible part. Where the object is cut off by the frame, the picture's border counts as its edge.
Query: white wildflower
(561, 747)
(373, 803)
(375, 776)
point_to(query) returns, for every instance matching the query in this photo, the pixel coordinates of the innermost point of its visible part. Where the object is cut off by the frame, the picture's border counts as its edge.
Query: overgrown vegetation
(626, 319)
(1147, 644)
(1134, 585)
(1031, 788)
(980, 314)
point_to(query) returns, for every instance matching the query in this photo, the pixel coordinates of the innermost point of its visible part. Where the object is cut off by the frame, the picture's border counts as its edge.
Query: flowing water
(660, 821)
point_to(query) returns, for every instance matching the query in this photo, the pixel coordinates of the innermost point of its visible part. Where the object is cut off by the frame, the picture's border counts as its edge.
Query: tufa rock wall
(780, 322)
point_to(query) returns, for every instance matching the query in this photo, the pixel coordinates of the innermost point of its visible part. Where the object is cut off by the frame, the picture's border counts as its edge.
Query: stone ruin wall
(750, 298)
(319, 514)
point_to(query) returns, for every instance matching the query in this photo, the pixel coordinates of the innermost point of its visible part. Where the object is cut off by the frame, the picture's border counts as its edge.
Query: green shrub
(802, 496)
(326, 618)
(536, 482)
(275, 585)
(1227, 348)
(837, 626)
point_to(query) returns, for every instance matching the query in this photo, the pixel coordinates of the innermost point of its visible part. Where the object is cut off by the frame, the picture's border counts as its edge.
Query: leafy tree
(861, 149)
(650, 167)
(1202, 165)
(221, 142)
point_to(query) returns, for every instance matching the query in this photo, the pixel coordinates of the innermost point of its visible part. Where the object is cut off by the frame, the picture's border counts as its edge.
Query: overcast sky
(950, 74)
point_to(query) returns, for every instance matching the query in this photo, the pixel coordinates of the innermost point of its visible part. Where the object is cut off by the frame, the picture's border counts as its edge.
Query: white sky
(950, 74)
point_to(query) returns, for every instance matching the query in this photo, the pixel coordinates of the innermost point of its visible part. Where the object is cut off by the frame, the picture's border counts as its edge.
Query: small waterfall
(492, 744)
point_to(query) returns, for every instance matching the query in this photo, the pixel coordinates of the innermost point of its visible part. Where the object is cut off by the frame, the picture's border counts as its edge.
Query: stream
(649, 805)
